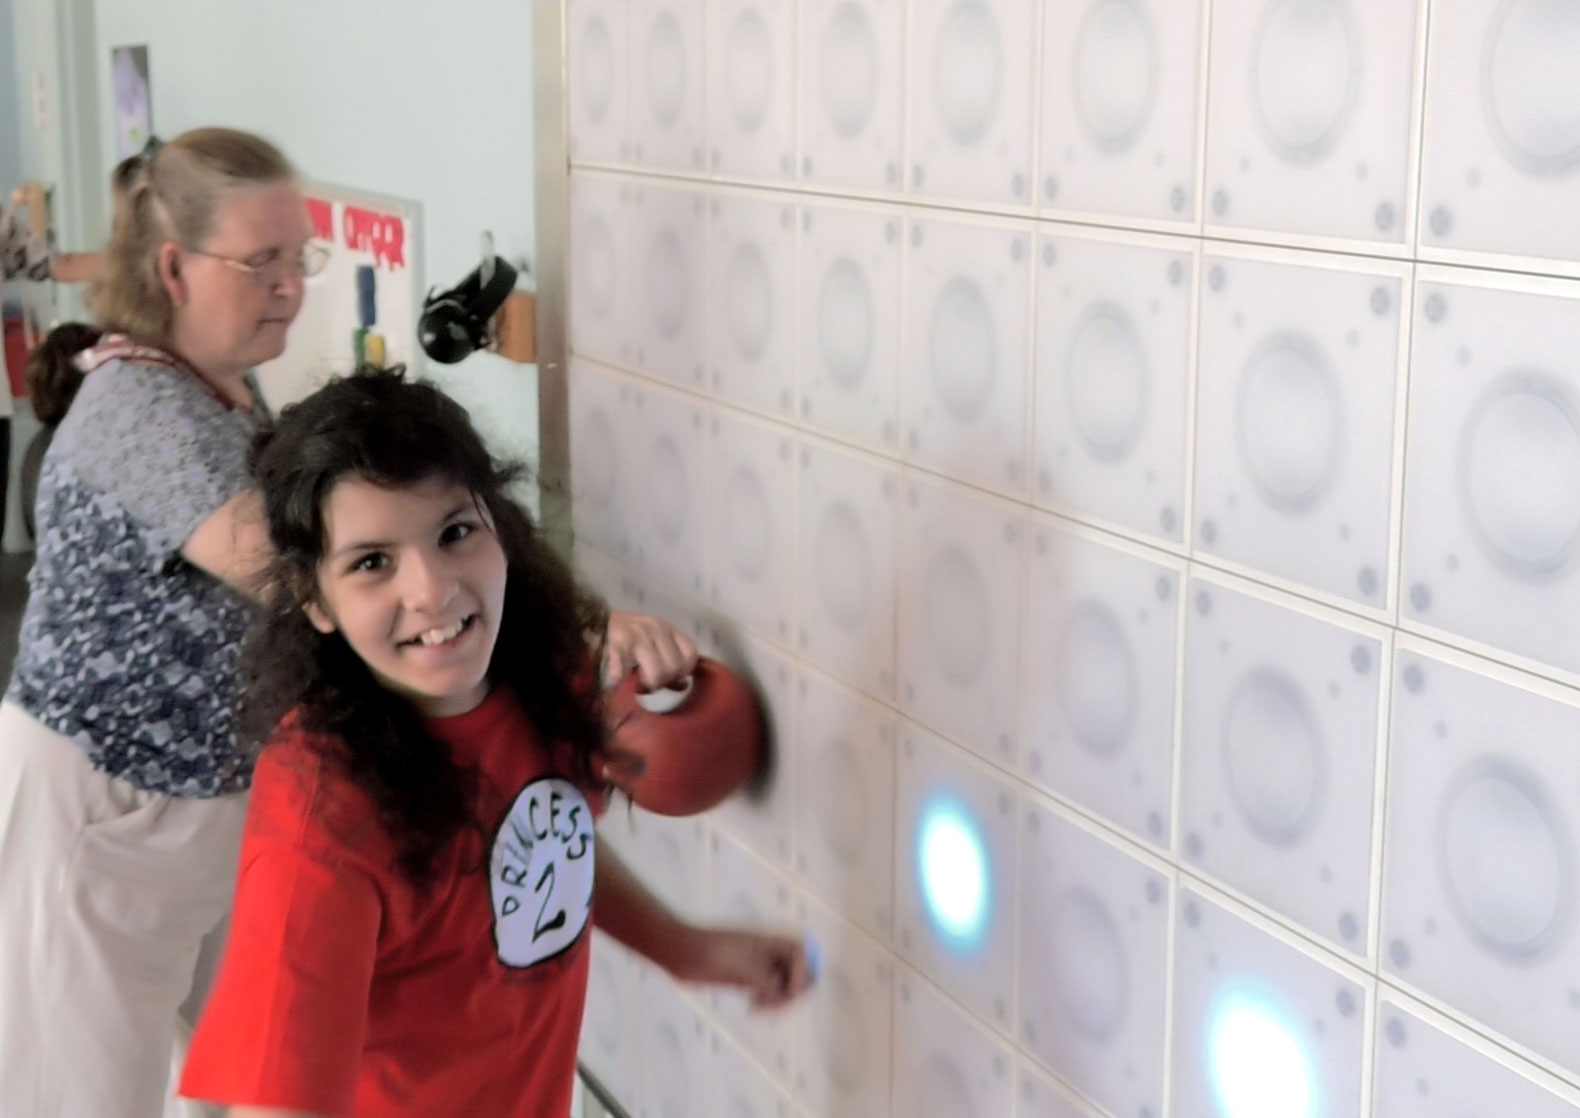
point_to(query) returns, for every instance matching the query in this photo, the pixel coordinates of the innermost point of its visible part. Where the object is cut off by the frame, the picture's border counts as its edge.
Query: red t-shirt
(345, 990)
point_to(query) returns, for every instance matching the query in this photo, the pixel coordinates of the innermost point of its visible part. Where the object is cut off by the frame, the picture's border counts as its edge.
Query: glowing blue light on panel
(1258, 1060)
(956, 885)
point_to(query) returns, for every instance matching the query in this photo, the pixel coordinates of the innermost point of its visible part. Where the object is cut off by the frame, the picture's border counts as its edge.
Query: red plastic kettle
(683, 751)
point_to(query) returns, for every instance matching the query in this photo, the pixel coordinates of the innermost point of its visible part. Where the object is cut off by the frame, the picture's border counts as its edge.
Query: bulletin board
(366, 302)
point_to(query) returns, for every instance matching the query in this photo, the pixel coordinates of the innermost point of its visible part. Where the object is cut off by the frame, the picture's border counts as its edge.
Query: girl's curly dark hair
(375, 426)
(52, 374)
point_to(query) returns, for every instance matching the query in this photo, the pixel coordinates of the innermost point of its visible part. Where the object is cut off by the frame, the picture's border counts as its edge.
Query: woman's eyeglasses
(276, 270)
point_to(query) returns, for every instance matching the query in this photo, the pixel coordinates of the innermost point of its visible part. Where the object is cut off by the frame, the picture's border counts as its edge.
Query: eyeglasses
(274, 271)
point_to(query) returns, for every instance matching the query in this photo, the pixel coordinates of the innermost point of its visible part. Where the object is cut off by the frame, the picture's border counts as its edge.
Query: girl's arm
(771, 968)
(649, 645)
(270, 1112)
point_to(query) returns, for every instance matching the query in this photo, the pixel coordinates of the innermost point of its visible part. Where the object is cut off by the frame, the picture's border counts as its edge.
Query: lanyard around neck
(118, 347)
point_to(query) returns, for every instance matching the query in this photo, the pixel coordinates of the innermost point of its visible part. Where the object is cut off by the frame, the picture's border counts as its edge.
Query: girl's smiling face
(414, 579)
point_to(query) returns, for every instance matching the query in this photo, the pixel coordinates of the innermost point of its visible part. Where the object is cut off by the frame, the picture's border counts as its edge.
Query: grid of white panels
(1157, 425)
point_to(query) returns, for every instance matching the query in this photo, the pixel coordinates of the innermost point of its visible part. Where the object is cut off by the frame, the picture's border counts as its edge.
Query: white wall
(10, 123)
(409, 98)
(41, 116)
(55, 51)
(1148, 430)
(35, 59)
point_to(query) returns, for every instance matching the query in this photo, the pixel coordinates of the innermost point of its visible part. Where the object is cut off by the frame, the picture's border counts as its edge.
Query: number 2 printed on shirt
(541, 873)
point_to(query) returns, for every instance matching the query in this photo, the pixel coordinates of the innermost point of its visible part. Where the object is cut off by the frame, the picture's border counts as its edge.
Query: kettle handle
(666, 699)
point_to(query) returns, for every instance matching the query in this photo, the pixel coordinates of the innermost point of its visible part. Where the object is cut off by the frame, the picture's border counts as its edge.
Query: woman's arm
(772, 969)
(233, 544)
(270, 1112)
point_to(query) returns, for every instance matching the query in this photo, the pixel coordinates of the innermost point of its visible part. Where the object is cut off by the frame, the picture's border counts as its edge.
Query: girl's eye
(373, 561)
(455, 533)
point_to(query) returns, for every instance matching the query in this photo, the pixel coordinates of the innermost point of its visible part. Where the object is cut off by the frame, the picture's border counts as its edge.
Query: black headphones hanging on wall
(455, 323)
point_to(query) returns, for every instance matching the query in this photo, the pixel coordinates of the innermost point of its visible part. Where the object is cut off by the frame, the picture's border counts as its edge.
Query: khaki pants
(107, 893)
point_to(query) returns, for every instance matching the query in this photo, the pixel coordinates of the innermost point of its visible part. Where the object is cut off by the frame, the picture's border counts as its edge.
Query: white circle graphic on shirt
(541, 873)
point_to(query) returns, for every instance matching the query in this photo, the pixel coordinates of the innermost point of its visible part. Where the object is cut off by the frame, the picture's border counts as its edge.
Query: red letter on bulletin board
(321, 212)
(380, 234)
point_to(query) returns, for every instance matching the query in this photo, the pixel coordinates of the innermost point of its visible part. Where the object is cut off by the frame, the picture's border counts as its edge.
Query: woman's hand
(659, 652)
(771, 969)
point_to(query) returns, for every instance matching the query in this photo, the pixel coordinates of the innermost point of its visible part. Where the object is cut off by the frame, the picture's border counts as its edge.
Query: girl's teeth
(440, 636)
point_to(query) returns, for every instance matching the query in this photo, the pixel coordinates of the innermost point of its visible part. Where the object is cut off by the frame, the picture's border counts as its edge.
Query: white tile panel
(1098, 681)
(1120, 103)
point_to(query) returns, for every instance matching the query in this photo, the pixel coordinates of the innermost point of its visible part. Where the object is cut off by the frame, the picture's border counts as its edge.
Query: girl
(410, 934)
(53, 378)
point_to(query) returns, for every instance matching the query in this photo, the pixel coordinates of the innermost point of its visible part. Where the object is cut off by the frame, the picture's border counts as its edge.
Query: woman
(121, 780)
(120, 784)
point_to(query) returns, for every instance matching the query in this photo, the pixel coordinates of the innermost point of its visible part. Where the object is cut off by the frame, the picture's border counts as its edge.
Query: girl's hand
(659, 652)
(771, 969)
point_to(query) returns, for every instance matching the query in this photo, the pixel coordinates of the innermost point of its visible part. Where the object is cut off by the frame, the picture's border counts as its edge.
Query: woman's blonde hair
(171, 193)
